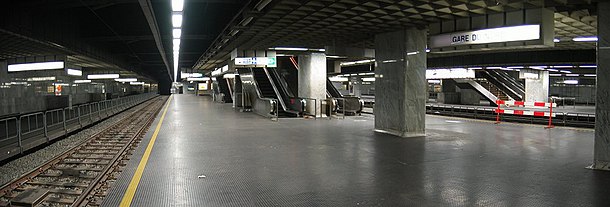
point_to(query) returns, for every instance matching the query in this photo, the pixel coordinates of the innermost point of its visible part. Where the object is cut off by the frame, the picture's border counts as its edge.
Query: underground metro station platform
(304, 103)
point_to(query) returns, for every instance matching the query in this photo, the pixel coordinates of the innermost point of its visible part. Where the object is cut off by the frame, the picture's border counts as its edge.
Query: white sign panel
(267, 61)
(449, 73)
(495, 35)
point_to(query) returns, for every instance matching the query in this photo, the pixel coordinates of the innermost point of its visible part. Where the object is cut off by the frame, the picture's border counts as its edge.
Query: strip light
(177, 5)
(82, 81)
(198, 79)
(176, 33)
(177, 20)
(136, 83)
(125, 79)
(74, 72)
(102, 76)
(36, 66)
(585, 39)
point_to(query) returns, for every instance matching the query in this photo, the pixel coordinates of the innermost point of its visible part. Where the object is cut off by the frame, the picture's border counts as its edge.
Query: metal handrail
(58, 117)
(343, 108)
(315, 106)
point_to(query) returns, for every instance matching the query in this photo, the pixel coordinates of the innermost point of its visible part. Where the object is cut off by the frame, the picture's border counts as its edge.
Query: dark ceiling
(111, 34)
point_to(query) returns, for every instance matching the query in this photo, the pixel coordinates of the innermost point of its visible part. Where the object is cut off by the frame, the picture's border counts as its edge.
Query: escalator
(225, 89)
(331, 90)
(508, 84)
(270, 86)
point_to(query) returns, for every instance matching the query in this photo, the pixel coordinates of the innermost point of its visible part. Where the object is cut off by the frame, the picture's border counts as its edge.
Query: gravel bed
(27, 163)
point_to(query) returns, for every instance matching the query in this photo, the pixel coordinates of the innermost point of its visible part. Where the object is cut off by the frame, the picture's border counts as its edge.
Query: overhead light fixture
(136, 83)
(177, 20)
(552, 70)
(36, 66)
(125, 79)
(563, 66)
(177, 5)
(573, 82)
(434, 81)
(177, 33)
(102, 76)
(588, 66)
(33, 79)
(198, 79)
(590, 75)
(585, 39)
(555, 74)
(82, 81)
(565, 71)
(368, 79)
(556, 40)
(74, 72)
(296, 49)
(572, 75)
(229, 75)
(427, 50)
(338, 79)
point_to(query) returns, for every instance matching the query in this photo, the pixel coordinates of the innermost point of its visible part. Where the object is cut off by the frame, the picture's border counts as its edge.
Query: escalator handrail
(504, 85)
(279, 95)
(330, 89)
(258, 90)
(519, 86)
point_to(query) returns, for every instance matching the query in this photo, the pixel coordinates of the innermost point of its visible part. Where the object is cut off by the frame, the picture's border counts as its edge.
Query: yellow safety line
(135, 180)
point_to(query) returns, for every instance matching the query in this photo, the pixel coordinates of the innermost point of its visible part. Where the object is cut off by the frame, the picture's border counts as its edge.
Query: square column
(400, 83)
(601, 153)
(537, 89)
(312, 78)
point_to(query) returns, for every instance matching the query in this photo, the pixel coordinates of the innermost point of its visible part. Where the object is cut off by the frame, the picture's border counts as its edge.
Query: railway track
(82, 175)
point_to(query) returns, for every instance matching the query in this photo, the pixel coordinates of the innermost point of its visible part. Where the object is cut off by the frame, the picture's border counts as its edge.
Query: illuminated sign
(266, 61)
(495, 35)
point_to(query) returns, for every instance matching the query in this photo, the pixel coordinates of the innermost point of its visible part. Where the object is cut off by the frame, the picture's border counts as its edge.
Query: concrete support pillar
(356, 83)
(601, 153)
(333, 66)
(400, 83)
(312, 78)
(537, 89)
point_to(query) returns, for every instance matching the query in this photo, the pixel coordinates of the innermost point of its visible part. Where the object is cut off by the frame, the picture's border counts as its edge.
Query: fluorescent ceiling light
(36, 66)
(552, 70)
(563, 66)
(102, 76)
(74, 72)
(585, 39)
(32, 79)
(368, 79)
(475, 68)
(588, 66)
(434, 81)
(82, 81)
(126, 79)
(177, 20)
(176, 44)
(565, 71)
(572, 75)
(555, 75)
(136, 83)
(590, 75)
(427, 50)
(338, 79)
(570, 81)
(177, 5)
(556, 40)
(296, 49)
(177, 33)
(198, 79)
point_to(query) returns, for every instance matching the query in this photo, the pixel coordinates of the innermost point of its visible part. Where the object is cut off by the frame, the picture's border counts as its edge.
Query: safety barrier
(305, 109)
(24, 132)
(549, 114)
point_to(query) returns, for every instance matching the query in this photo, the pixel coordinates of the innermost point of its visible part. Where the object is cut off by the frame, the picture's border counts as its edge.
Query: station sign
(485, 36)
(256, 61)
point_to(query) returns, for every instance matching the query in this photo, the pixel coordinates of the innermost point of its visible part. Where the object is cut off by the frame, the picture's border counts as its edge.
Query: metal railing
(304, 108)
(333, 100)
(24, 132)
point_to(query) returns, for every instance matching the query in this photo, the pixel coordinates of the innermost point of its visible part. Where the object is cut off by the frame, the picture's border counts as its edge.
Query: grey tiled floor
(251, 161)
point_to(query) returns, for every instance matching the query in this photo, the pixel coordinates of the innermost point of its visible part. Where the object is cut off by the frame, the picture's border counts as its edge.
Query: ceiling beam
(154, 28)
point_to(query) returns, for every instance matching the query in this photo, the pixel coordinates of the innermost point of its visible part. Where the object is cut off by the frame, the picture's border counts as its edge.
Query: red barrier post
(498, 112)
(551, 116)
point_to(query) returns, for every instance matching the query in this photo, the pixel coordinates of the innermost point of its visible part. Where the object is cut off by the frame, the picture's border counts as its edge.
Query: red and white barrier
(549, 114)
(523, 103)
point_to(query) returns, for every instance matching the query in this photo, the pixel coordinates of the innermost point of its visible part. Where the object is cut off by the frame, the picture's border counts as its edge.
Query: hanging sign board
(256, 61)
(485, 36)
